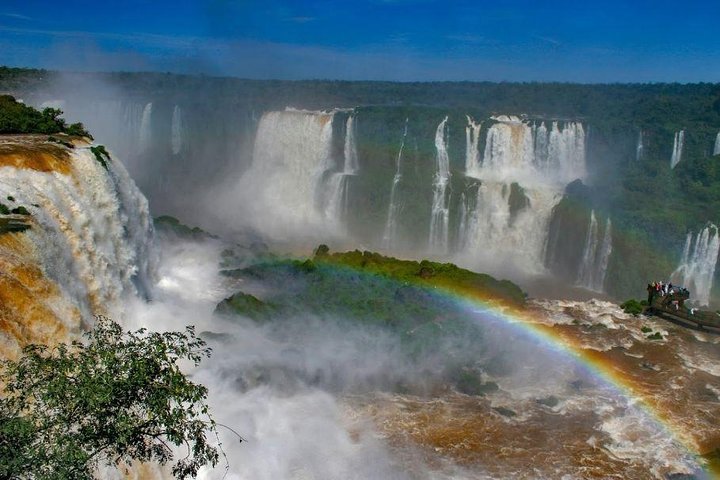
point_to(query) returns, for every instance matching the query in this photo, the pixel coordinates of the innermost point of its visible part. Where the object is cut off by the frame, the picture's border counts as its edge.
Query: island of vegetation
(416, 303)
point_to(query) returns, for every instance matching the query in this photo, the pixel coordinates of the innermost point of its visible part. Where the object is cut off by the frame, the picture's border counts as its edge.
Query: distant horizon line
(319, 79)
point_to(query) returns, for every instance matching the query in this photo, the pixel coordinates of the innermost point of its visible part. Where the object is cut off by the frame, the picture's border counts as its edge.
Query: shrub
(632, 307)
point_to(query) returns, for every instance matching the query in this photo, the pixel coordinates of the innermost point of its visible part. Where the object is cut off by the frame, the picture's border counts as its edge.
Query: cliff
(74, 239)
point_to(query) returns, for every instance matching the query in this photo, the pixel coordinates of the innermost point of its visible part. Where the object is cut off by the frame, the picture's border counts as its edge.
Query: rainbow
(592, 360)
(554, 340)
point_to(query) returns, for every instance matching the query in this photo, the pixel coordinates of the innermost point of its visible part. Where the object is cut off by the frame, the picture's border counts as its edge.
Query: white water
(640, 147)
(338, 182)
(596, 256)
(541, 162)
(94, 233)
(390, 233)
(697, 266)
(716, 149)
(440, 215)
(472, 154)
(177, 131)
(294, 190)
(678, 144)
(462, 222)
(145, 135)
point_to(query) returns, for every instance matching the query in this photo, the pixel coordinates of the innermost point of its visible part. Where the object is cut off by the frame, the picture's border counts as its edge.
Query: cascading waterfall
(639, 149)
(677, 148)
(337, 187)
(462, 222)
(595, 259)
(295, 187)
(145, 134)
(524, 169)
(716, 150)
(177, 131)
(472, 154)
(391, 225)
(697, 266)
(440, 215)
(91, 229)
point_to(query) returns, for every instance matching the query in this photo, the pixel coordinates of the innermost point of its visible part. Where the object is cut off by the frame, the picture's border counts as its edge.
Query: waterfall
(677, 148)
(91, 234)
(145, 135)
(337, 187)
(523, 173)
(462, 222)
(472, 155)
(603, 258)
(585, 273)
(440, 214)
(391, 225)
(697, 266)
(595, 259)
(639, 149)
(177, 131)
(293, 188)
(716, 150)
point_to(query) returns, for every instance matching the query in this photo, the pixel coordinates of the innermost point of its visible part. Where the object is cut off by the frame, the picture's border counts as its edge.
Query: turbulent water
(716, 149)
(640, 148)
(697, 266)
(678, 145)
(313, 396)
(318, 396)
(523, 172)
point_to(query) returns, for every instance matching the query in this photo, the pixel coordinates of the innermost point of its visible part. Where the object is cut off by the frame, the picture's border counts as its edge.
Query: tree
(116, 398)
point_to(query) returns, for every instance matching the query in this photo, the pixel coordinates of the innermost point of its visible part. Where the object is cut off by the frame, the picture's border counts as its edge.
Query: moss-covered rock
(246, 305)
(517, 200)
(430, 274)
(632, 307)
(20, 210)
(10, 225)
(168, 224)
(101, 155)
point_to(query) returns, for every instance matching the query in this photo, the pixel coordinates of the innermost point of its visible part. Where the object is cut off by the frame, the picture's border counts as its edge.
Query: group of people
(661, 289)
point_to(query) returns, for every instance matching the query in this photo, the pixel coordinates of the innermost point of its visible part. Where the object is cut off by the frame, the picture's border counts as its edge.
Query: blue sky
(406, 40)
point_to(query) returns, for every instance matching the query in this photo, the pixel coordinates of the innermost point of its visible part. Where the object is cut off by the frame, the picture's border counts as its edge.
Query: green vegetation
(404, 299)
(20, 210)
(246, 305)
(651, 206)
(16, 117)
(10, 225)
(632, 307)
(655, 336)
(429, 274)
(101, 155)
(115, 399)
(168, 224)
